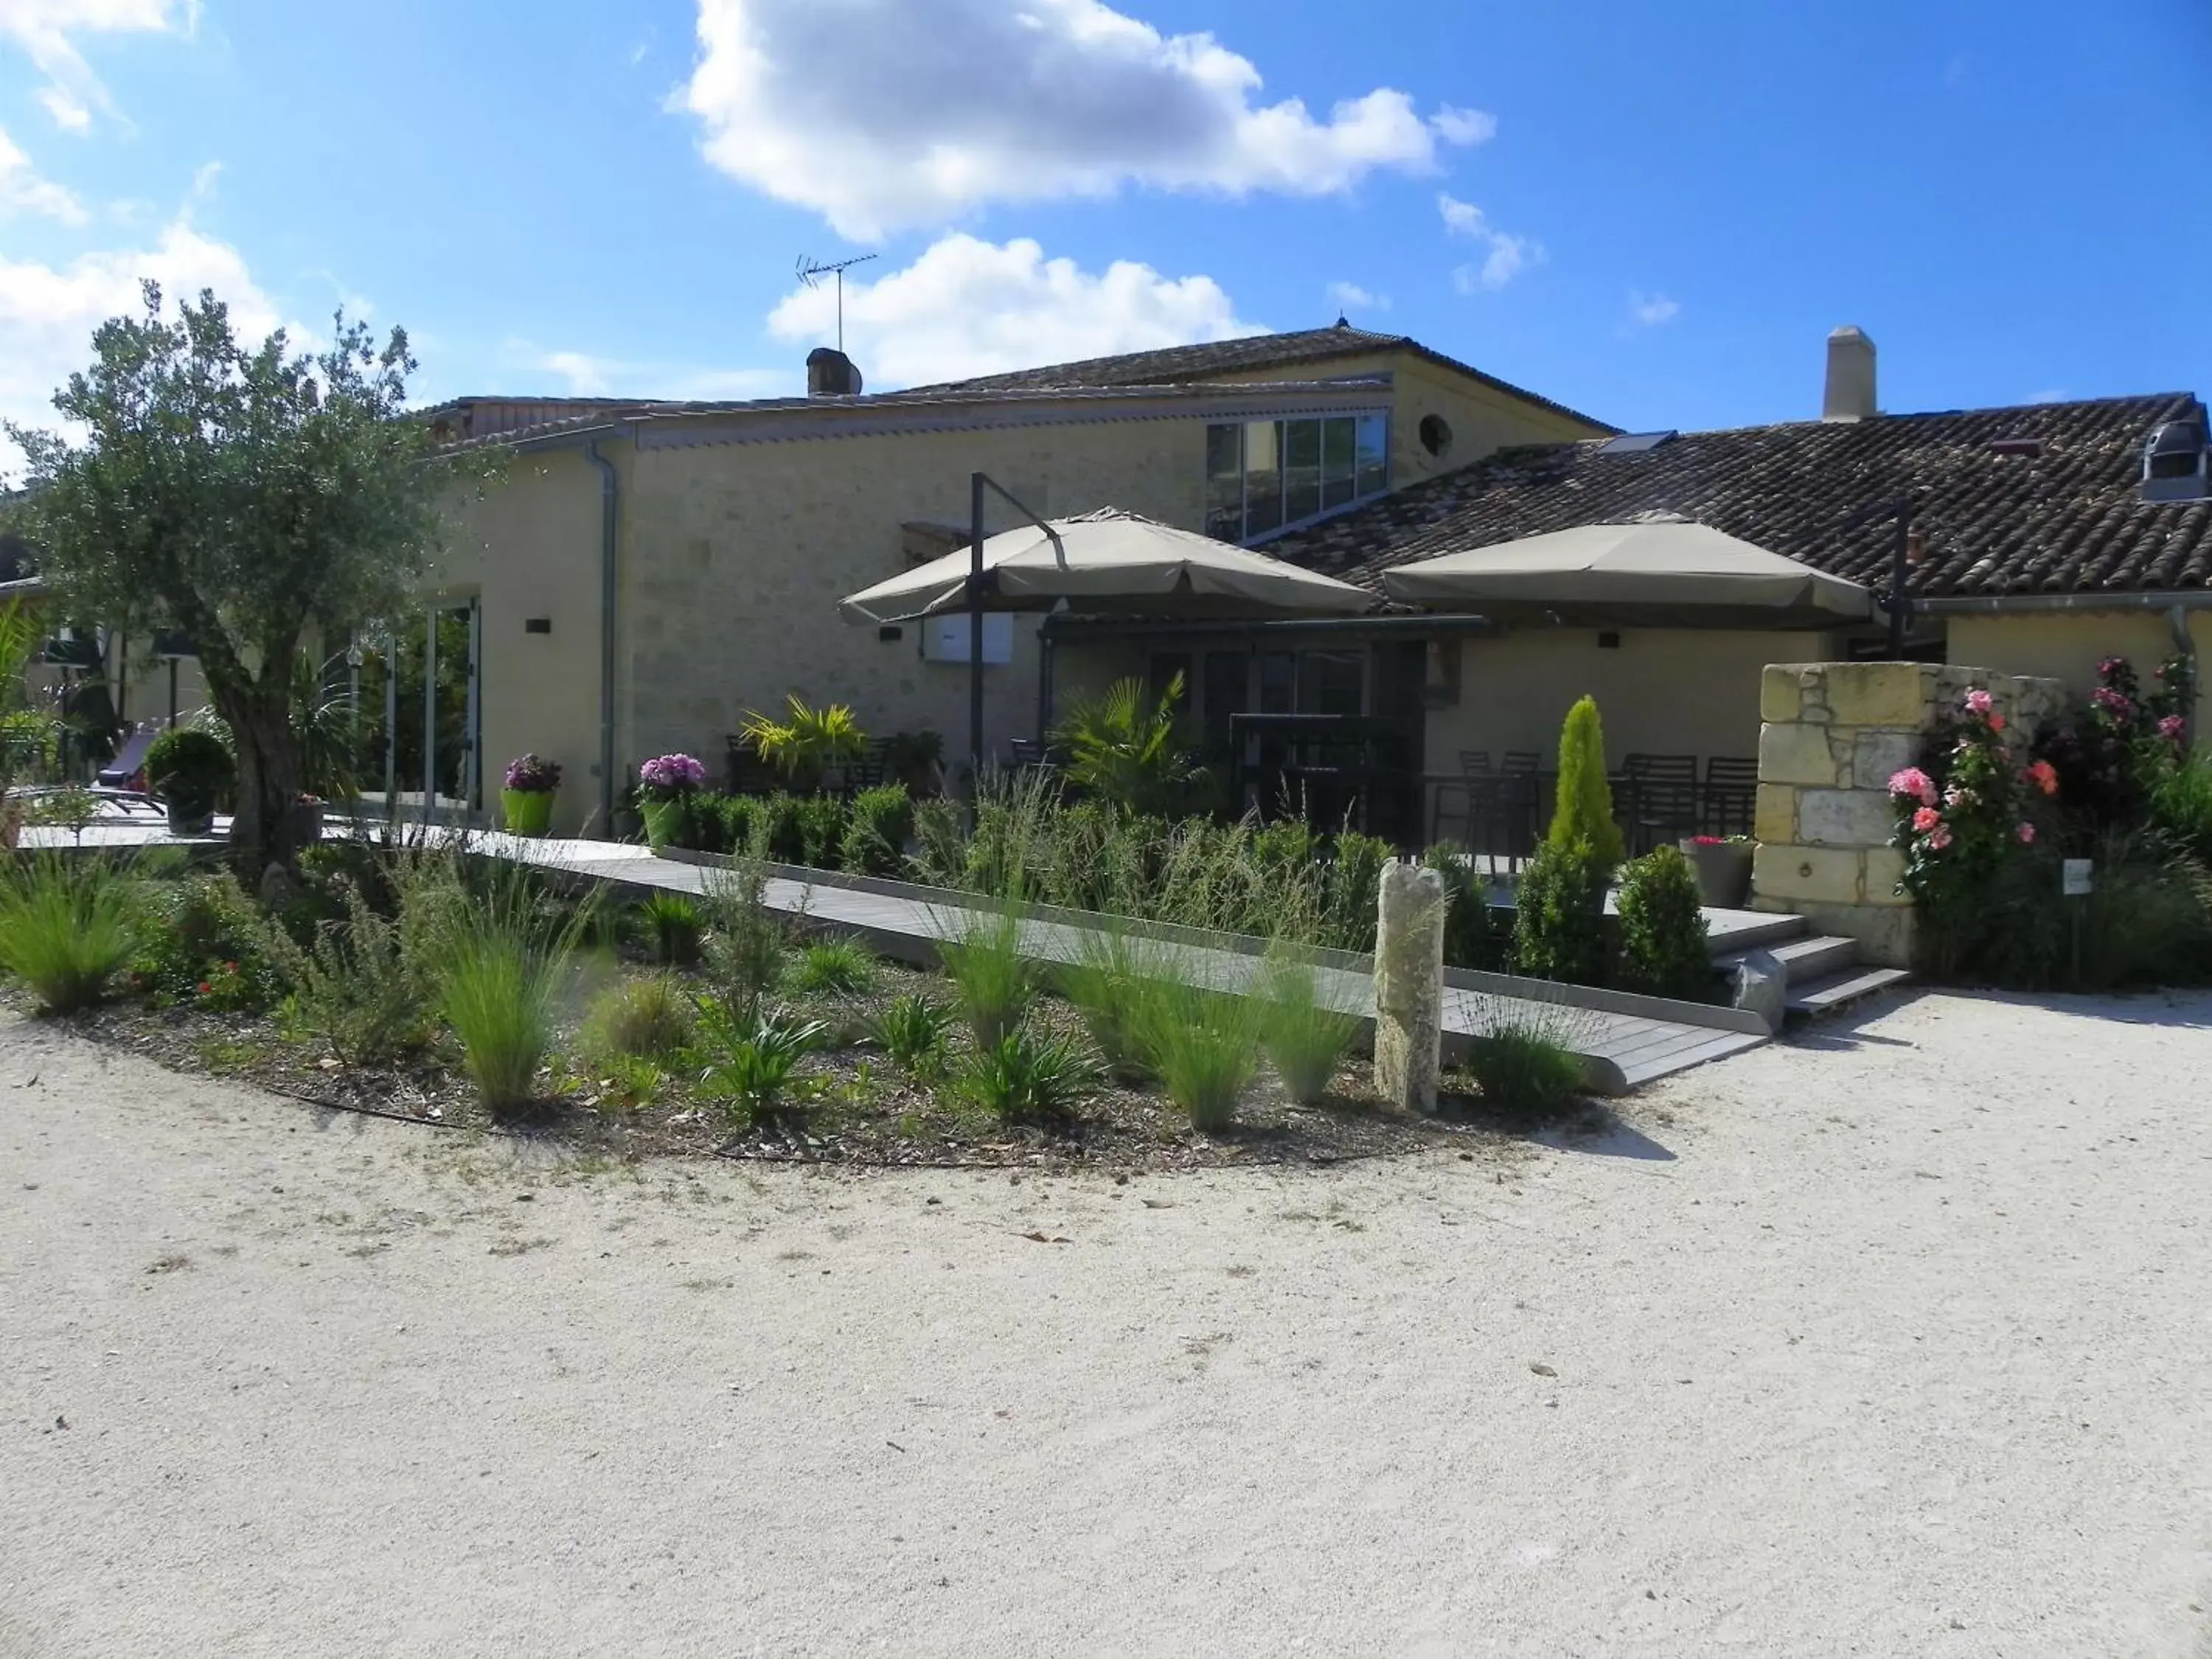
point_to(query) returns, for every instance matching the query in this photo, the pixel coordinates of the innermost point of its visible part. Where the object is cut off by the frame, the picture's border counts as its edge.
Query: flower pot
(191, 817)
(1723, 869)
(305, 823)
(527, 811)
(665, 822)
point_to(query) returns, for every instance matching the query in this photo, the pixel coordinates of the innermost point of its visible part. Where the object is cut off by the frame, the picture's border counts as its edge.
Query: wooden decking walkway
(1624, 1041)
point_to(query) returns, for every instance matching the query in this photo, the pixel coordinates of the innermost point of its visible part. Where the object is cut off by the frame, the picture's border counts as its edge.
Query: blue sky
(1652, 212)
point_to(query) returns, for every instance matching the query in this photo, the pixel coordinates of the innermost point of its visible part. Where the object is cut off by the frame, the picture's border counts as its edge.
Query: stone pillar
(1409, 984)
(1832, 735)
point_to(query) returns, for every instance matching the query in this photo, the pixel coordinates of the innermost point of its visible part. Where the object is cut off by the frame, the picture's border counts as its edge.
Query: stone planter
(190, 818)
(306, 823)
(526, 811)
(1724, 872)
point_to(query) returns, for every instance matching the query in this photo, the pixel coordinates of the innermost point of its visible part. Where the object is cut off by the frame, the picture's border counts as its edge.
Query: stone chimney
(1849, 395)
(831, 375)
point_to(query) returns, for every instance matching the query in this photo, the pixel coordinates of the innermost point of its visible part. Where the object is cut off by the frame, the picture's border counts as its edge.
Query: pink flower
(1939, 839)
(2027, 833)
(2043, 775)
(1978, 703)
(2112, 702)
(1996, 722)
(1914, 782)
(1926, 819)
(2170, 728)
(1959, 797)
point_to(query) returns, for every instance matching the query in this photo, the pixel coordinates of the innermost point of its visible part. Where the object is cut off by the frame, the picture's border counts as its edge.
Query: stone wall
(1831, 735)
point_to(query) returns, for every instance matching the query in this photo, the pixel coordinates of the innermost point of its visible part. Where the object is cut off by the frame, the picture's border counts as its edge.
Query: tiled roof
(2042, 498)
(1304, 347)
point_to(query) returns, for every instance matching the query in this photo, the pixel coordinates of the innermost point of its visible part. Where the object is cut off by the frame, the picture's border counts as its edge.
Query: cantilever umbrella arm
(979, 587)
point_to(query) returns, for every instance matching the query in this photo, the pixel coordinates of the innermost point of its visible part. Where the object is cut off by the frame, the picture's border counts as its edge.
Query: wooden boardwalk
(1625, 1041)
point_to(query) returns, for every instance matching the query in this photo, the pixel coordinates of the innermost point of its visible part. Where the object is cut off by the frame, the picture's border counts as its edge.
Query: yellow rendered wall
(1665, 692)
(2068, 645)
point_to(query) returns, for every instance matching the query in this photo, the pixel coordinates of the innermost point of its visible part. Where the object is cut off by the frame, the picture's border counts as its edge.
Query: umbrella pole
(975, 482)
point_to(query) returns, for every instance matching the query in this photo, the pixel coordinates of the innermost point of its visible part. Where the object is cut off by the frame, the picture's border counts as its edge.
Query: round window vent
(1436, 435)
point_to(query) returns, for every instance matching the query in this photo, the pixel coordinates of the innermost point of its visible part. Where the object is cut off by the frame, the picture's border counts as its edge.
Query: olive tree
(253, 498)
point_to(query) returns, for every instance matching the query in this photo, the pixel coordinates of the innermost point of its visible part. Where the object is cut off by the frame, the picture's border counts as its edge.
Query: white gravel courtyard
(1895, 1343)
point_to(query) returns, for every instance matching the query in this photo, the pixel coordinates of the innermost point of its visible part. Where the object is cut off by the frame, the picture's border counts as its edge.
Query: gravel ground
(1892, 1343)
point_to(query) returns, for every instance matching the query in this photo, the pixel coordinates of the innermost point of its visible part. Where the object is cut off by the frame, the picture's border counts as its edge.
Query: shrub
(1355, 877)
(809, 741)
(875, 837)
(188, 765)
(1471, 940)
(66, 929)
(1664, 952)
(747, 1062)
(356, 984)
(743, 949)
(912, 1030)
(842, 965)
(1112, 985)
(2181, 804)
(1525, 1071)
(1559, 926)
(1204, 1047)
(1305, 1040)
(744, 824)
(779, 829)
(498, 999)
(1124, 747)
(2148, 919)
(995, 984)
(204, 929)
(1583, 814)
(672, 924)
(821, 830)
(1026, 1074)
(647, 1018)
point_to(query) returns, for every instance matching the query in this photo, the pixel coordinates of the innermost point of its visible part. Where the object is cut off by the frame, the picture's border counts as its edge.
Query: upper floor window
(1264, 476)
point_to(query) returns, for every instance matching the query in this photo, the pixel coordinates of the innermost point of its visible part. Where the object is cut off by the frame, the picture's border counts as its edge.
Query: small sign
(2076, 877)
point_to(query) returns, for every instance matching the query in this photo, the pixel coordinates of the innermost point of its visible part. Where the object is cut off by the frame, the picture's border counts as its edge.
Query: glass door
(420, 715)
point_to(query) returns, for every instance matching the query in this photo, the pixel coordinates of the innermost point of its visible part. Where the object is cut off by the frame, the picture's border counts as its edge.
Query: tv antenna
(811, 271)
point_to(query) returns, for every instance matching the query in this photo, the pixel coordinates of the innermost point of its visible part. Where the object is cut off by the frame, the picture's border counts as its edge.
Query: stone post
(1409, 984)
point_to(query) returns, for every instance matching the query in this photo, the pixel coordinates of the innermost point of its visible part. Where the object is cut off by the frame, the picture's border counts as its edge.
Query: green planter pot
(665, 822)
(528, 811)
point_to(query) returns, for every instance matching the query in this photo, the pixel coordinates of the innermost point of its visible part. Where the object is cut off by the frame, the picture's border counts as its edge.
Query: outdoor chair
(1662, 799)
(1730, 796)
(1474, 763)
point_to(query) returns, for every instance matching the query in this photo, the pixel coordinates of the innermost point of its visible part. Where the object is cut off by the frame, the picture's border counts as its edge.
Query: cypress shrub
(1663, 949)
(1583, 813)
(1558, 932)
(874, 842)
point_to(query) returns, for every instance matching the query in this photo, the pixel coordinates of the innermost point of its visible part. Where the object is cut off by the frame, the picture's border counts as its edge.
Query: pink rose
(2171, 728)
(1926, 819)
(1914, 782)
(1978, 703)
(2043, 775)
(1940, 839)
(2027, 833)
(1996, 722)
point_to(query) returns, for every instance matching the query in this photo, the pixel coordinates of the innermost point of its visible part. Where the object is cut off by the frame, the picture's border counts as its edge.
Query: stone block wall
(1831, 734)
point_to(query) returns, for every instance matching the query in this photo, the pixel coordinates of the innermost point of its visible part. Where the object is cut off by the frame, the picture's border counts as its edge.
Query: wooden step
(1815, 956)
(1731, 933)
(1821, 998)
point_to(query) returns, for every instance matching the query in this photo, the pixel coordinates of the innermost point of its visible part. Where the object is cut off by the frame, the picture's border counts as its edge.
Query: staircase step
(1734, 931)
(1827, 996)
(1807, 961)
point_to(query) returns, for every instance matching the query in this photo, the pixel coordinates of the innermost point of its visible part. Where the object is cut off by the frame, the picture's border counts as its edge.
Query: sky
(1653, 213)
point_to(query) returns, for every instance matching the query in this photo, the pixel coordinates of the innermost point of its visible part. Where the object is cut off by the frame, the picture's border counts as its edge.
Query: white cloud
(22, 191)
(47, 314)
(585, 374)
(1350, 296)
(881, 114)
(1508, 256)
(1650, 310)
(45, 29)
(966, 306)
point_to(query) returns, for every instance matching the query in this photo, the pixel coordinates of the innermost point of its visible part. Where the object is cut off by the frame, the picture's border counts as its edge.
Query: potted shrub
(666, 785)
(526, 800)
(1723, 868)
(306, 820)
(810, 745)
(916, 759)
(187, 769)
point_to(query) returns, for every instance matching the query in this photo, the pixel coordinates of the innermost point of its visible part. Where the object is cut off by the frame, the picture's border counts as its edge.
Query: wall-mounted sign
(2077, 877)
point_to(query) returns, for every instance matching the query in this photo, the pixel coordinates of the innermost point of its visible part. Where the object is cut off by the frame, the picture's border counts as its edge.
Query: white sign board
(945, 639)
(2076, 877)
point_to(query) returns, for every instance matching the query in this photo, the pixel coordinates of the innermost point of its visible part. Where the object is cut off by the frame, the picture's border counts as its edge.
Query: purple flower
(672, 774)
(534, 775)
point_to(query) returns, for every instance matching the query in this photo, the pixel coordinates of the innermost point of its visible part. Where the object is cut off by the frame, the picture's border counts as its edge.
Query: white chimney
(1849, 395)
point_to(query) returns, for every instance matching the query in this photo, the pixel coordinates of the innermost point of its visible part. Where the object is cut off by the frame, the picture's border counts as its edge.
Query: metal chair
(1473, 764)
(1731, 795)
(1662, 799)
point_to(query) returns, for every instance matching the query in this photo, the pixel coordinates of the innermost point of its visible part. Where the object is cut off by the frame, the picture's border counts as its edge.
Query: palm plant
(912, 1030)
(807, 744)
(748, 1062)
(1026, 1074)
(1124, 747)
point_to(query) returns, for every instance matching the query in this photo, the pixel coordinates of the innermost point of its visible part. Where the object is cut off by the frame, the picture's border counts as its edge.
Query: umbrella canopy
(1109, 561)
(1659, 572)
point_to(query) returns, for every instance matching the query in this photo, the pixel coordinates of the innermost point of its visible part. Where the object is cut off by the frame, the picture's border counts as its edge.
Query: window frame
(1249, 537)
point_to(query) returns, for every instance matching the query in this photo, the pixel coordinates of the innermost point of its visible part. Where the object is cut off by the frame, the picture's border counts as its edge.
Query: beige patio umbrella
(1661, 571)
(1108, 560)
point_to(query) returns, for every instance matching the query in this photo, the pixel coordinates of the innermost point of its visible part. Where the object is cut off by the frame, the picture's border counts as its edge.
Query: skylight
(1634, 443)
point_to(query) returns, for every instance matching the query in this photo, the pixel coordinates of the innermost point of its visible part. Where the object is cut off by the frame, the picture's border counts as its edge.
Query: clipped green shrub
(672, 925)
(841, 965)
(1026, 1074)
(875, 835)
(779, 830)
(748, 1062)
(1472, 938)
(646, 1018)
(1583, 816)
(984, 960)
(744, 822)
(1664, 950)
(188, 765)
(912, 1030)
(67, 927)
(822, 822)
(1558, 924)
(1304, 1039)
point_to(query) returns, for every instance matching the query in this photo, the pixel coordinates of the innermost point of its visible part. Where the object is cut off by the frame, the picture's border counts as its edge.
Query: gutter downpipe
(610, 521)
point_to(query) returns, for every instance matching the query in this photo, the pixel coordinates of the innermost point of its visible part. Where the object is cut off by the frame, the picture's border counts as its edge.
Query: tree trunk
(261, 832)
